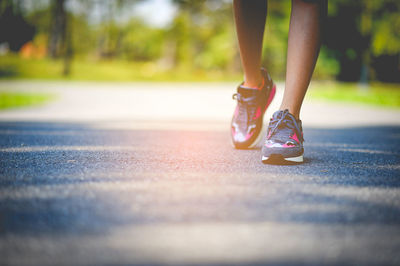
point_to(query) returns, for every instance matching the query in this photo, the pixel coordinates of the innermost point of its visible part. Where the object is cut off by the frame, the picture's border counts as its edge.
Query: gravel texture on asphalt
(72, 194)
(175, 192)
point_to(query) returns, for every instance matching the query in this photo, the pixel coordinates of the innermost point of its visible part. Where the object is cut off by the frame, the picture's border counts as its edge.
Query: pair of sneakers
(284, 141)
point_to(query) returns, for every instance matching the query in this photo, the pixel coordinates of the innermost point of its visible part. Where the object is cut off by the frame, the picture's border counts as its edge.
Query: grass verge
(13, 99)
(15, 67)
(377, 94)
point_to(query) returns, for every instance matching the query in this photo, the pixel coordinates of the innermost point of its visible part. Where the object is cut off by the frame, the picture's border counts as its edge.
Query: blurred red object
(30, 50)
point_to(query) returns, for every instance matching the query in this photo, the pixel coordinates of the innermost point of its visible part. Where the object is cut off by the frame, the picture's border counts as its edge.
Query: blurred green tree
(15, 30)
(361, 33)
(361, 38)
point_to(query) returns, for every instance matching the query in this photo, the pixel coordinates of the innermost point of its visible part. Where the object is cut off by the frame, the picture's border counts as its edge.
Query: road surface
(144, 174)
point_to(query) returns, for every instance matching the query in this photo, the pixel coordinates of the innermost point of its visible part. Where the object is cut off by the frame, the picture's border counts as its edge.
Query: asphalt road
(90, 186)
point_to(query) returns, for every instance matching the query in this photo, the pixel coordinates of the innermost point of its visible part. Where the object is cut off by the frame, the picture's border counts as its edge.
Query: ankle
(256, 83)
(294, 112)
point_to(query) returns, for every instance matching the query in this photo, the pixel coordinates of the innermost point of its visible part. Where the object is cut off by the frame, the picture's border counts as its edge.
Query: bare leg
(303, 49)
(250, 17)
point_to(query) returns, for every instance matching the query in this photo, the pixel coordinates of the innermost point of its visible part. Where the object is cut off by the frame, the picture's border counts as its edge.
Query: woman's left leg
(303, 48)
(284, 141)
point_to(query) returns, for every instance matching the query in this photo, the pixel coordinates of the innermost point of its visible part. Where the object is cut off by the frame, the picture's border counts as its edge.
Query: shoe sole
(270, 98)
(260, 135)
(258, 139)
(279, 159)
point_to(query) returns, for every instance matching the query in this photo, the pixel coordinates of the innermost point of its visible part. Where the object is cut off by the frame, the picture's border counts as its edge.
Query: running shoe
(284, 142)
(247, 121)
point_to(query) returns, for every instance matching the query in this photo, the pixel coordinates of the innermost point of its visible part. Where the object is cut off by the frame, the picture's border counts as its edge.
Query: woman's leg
(250, 16)
(284, 141)
(303, 48)
(257, 91)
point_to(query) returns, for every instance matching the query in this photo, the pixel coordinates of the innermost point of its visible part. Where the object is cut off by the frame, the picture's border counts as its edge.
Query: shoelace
(286, 120)
(247, 102)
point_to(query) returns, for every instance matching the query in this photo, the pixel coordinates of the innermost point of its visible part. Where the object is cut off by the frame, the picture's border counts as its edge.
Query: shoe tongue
(277, 115)
(247, 92)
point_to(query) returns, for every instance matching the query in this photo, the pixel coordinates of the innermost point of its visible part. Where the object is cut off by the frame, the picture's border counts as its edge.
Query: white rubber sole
(298, 159)
(257, 140)
(259, 137)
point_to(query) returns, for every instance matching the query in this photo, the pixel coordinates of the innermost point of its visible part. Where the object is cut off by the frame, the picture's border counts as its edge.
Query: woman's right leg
(257, 90)
(250, 17)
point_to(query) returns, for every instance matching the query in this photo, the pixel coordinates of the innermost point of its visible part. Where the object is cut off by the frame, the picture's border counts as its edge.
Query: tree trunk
(58, 28)
(68, 50)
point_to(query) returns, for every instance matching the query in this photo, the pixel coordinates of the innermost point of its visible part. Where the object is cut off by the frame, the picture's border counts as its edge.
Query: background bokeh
(185, 40)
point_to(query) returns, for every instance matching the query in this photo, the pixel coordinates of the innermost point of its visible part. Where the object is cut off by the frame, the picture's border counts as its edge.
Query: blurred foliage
(361, 40)
(364, 38)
